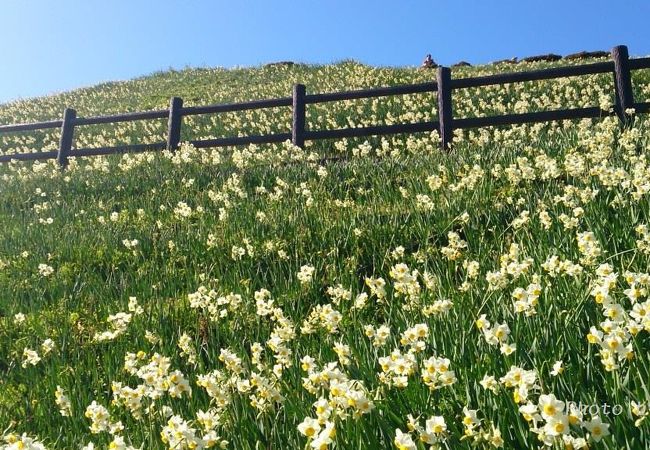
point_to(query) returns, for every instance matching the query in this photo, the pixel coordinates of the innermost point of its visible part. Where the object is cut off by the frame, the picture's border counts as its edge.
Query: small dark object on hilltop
(429, 63)
(585, 55)
(280, 63)
(462, 64)
(548, 58)
(506, 61)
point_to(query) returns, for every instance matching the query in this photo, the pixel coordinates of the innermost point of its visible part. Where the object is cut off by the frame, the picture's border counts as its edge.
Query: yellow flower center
(549, 410)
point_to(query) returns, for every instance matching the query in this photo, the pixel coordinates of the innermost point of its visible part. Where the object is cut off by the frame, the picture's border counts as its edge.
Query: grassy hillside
(401, 297)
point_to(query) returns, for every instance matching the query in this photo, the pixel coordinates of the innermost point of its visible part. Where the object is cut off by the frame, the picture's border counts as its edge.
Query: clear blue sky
(51, 46)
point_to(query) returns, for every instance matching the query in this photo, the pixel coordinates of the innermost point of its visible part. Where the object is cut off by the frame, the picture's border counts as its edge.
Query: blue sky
(51, 46)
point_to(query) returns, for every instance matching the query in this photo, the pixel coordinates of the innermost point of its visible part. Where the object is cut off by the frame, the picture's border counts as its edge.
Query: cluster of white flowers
(496, 335)
(118, 324)
(306, 274)
(511, 268)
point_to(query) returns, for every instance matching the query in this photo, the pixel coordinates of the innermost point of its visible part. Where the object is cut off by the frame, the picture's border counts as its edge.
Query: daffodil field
(493, 296)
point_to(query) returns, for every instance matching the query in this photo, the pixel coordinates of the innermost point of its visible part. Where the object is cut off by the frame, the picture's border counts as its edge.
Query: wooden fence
(620, 66)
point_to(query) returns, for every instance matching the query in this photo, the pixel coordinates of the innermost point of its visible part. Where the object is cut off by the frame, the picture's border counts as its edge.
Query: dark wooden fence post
(67, 133)
(622, 82)
(298, 123)
(174, 123)
(445, 113)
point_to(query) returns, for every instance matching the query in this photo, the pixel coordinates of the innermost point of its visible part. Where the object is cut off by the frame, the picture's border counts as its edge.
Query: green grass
(356, 222)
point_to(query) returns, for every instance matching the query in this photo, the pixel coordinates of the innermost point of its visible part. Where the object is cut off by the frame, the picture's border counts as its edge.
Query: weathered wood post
(622, 82)
(298, 122)
(174, 123)
(67, 133)
(445, 113)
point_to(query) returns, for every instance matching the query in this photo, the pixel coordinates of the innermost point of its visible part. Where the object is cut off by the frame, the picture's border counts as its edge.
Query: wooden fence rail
(620, 67)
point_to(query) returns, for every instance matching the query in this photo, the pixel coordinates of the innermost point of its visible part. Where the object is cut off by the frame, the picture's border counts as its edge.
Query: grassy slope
(95, 274)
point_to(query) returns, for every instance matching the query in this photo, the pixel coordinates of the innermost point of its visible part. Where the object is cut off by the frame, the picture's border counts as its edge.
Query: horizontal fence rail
(127, 117)
(372, 93)
(233, 107)
(243, 140)
(134, 148)
(29, 156)
(541, 116)
(31, 126)
(642, 107)
(377, 130)
(639, 63)
(620, 67)
(533, 75)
